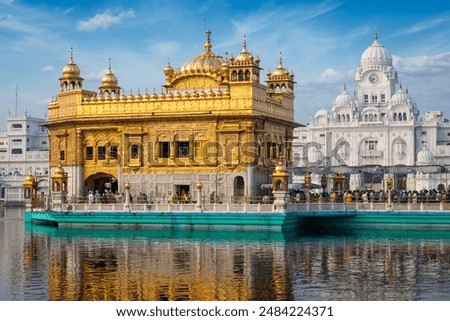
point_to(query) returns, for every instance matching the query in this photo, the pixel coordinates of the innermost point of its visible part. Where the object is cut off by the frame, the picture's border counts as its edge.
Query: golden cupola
(110, 84)
(70, 78)
(203, 71)
(244, 56)
(168, 72)
(280, 81)
(207, 62)
(244, 68)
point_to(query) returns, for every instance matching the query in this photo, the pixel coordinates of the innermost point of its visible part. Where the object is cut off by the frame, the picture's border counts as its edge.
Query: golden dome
(109, 79)
(71, 69)
(206, 62)
(168, 70)
(59, 171)
(280, 168)
(30, 177)
(280, 71)
(244, 55)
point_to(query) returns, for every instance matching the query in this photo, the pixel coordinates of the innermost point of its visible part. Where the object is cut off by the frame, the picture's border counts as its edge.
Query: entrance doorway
(102, 183)
(182, 192)
(239, 189)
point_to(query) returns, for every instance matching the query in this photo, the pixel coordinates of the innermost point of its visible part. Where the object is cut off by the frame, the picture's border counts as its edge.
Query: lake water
(361, 263)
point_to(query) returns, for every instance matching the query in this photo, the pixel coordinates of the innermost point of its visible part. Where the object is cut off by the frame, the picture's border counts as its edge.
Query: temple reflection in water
(215, 266)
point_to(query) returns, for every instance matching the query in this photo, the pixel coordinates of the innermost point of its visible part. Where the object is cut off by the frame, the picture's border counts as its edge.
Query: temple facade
(214, 122)
(374, 133)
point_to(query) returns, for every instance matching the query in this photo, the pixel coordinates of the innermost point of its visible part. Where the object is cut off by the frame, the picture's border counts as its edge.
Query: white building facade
(23, 148)
(374, 133)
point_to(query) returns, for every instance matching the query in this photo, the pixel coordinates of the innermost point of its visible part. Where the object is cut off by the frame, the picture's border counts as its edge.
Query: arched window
(134, 151)
(240, 75)
(247, 75)
(395, 116)
(234, 75)
(404, 116)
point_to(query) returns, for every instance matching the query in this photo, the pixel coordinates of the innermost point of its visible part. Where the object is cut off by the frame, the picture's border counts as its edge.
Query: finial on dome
(244, 45)
(375, 36)
(208, 41)
(281, 59)
(110, 64)
(345, 87)
(71, 52)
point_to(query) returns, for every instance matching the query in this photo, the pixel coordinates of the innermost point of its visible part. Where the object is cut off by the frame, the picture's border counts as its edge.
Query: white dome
(321, 113)
(376, 56)
(425, 156)
(400, 98)
(343, 100)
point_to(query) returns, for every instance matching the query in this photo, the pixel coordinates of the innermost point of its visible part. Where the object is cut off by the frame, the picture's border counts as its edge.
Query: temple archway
(101, 183)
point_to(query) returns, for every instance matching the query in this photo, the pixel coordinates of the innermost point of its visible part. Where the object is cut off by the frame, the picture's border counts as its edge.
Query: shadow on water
(163, 233)
(315, 228)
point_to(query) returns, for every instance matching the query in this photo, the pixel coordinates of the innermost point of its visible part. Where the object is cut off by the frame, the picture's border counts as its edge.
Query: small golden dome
(59, 170)
(71, 69)
(280, 71)
(30, 177)
(168, 70)
(280, 168)
(109, 80)
(244, 55)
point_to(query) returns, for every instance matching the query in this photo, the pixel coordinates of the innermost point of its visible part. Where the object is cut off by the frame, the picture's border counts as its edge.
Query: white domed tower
(343, 107)
(376, 77)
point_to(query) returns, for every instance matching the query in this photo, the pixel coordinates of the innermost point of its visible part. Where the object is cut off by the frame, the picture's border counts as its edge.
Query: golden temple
(214, 122)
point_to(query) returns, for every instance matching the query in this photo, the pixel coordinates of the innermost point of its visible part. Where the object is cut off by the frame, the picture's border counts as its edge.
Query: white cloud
(164, 48)
(6, 2)
(423, 65)
(67, 11)
(48, 69)
(104, 20)
(424, 25)
(330, 75)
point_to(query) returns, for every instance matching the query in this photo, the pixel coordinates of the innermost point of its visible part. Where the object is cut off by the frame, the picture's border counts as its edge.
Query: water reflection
(45, 263)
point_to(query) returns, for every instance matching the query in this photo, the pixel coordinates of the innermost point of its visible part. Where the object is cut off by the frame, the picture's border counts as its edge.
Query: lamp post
(389, 187)
(308, 186)
(324, 183)
(199, 195)
(127, 194)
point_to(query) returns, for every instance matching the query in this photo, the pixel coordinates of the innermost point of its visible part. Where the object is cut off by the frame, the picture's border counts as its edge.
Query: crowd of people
(401, 196)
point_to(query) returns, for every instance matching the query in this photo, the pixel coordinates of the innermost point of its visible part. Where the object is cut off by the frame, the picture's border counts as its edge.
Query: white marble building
(375, 132)
(23, 147)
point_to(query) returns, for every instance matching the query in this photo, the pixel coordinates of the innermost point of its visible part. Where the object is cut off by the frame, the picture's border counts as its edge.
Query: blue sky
(320, 41)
